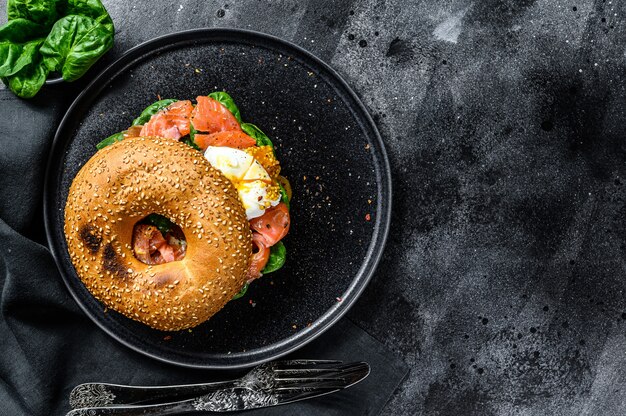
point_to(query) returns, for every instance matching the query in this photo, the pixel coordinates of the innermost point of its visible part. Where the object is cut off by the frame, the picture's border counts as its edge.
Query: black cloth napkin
(48, 345)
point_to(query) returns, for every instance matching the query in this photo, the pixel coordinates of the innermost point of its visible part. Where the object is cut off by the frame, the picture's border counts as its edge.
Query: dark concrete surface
(502, 285)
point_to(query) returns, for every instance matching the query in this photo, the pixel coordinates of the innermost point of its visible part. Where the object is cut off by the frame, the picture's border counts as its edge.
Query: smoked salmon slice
(273, 225)
(210, 116)
(151, 247)
(236, 139)
(171, 122)
(260, 256)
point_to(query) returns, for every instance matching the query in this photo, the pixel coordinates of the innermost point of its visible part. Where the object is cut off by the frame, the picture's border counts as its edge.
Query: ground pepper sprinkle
(368, 217)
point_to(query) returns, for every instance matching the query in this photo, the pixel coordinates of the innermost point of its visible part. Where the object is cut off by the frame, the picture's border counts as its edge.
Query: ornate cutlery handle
(227, 400)
(102, 394)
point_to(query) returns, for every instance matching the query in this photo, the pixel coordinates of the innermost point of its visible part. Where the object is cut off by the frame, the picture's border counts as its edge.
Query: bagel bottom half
(121, 185)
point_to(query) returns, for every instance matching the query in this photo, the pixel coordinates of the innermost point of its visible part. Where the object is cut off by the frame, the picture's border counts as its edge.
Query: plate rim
(373, 254)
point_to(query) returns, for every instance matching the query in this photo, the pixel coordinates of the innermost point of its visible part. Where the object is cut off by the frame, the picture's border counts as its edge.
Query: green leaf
(256, 133)
(21, 31)
(283, 197)
(89, 8)
(192, 132)
(19, 45)
(117, 137)
(43, 12)
(29, 80)
(162, 223)
(227, 101)
(242, 292)
(190, 142)
(278, 255)
(151, 110)
(75, 44)
(14, 57)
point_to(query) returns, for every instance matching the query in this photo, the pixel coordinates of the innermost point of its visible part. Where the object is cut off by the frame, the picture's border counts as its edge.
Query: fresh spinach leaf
(283, 197)
(21, 31)
(257, 134)
(278, 255)
(162, 223)
(192, 132)
(227, 101)
(43, 12)
(242, 292)
(190, 142)
(151, 110)
(29, 80)
(14, 57)
(89, 8)
(74, 44)
(20, 40)
(117, 137)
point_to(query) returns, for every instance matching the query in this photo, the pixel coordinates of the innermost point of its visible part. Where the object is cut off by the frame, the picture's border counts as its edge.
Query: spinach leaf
(43, 12)
(29, 80)
(21, 31)
(256, 133)
(278, 255)
(192, 132)
(74, 45)
(14, 57)
(117, 137)
(20, 40)
(283, 197)
(242, 292)
(227, 101)
(89, 8)
(190, 142)
(151, 110)
(162, 223)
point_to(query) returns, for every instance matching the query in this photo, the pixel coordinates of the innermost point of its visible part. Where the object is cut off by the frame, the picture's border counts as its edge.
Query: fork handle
(103, 394)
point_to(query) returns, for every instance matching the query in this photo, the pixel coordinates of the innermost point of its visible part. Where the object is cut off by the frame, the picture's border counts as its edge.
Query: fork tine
(340, 370)
(287, 364)
(340, 379)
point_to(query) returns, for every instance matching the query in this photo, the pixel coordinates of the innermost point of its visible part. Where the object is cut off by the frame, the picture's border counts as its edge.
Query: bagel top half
(125, 182)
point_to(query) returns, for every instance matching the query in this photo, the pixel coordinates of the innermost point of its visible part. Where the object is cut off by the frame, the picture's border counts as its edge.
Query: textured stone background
(502, 285)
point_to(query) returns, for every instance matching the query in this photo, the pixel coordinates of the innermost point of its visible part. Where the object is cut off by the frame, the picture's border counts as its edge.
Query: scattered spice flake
(309, 324)
(339, 299)
(197, 70)
(317, 178)
(294, 326)
(190, 331)
(304, 178)
(369, 201)
(187, 65)
(367, 146)
(368, 217)
(105, 310)
(167, 338)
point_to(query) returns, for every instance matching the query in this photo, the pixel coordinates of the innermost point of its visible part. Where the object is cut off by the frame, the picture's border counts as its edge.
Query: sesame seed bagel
(125, 182)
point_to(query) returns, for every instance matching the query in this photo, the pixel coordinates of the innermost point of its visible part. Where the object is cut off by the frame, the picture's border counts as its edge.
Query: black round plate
(328, 146)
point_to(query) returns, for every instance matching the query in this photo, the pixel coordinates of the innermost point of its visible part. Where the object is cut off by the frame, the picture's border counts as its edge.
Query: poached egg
(254, 185)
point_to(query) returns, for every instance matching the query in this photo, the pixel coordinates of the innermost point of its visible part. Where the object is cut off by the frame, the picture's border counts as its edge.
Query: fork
(269, 384)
